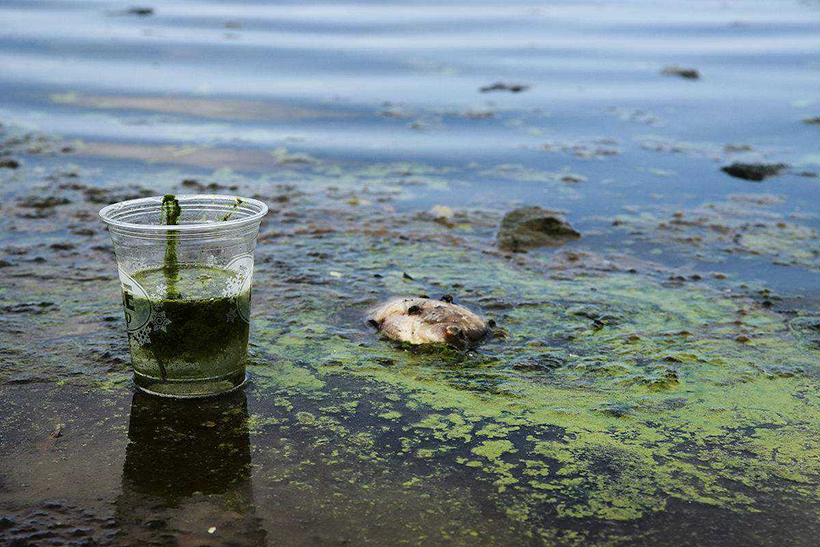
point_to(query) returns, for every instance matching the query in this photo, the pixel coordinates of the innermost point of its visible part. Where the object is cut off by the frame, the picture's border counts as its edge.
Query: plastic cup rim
(105, 215)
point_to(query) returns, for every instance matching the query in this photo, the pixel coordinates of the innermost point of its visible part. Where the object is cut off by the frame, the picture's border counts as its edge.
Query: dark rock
(212, 186)
(62, 246)
(812, 121)
(754, 171)
(44, 202)
(104, 196)
(140, 11)
(688, 73)
(9, 164)
(500, 86)
(36, 308)
(531, 227)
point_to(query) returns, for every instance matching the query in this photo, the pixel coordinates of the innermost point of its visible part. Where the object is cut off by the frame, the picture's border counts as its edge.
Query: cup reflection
(187, 474)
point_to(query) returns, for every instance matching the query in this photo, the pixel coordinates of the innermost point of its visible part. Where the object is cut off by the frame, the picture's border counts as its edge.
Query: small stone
(530, 227)
(140, 11)
(687, 73)
(501, 86)
(9, 164)
(755, 172)
(62, 246)
(46, 202)
(742, 338)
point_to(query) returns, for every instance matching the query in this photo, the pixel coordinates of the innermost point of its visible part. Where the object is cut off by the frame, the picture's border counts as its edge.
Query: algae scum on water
(618, 402)
(611, 398)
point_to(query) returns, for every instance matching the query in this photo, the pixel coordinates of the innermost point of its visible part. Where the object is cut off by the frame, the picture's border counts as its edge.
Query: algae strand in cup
(171, 211)
(237, 203)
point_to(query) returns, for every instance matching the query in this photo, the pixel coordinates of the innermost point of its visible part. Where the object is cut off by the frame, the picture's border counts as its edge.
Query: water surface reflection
(187, 474)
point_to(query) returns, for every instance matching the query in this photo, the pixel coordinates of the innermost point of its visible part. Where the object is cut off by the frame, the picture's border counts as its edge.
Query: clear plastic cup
(185, 267)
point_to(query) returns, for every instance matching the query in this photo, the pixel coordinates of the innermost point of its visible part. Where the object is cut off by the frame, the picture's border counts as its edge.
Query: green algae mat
(618, 402)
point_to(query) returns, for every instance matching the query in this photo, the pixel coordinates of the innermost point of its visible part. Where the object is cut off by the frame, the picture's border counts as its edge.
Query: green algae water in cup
(185, 265)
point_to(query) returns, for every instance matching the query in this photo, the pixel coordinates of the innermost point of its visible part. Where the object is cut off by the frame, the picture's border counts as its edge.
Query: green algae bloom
(198, 334)
(611, 397)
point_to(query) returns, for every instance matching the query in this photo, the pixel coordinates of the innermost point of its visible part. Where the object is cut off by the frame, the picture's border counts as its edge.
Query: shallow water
(689, 418)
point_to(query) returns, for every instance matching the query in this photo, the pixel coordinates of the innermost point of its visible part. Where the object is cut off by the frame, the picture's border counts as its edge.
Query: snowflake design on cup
(159, 291)
(231, 316)
(233, 285)
(142, 336)
(138, 264)
(159, 321)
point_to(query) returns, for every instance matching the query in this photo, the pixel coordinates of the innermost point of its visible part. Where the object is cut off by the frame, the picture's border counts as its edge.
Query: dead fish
(423, 320)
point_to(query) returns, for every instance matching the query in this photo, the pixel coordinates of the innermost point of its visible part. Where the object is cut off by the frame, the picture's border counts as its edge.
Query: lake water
(397, 82)
(379, 106)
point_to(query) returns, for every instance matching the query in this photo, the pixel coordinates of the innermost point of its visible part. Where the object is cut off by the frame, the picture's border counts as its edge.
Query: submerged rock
(426, 321)
(812, 121)
(531, 227)
(754, 171)
(688, 73)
